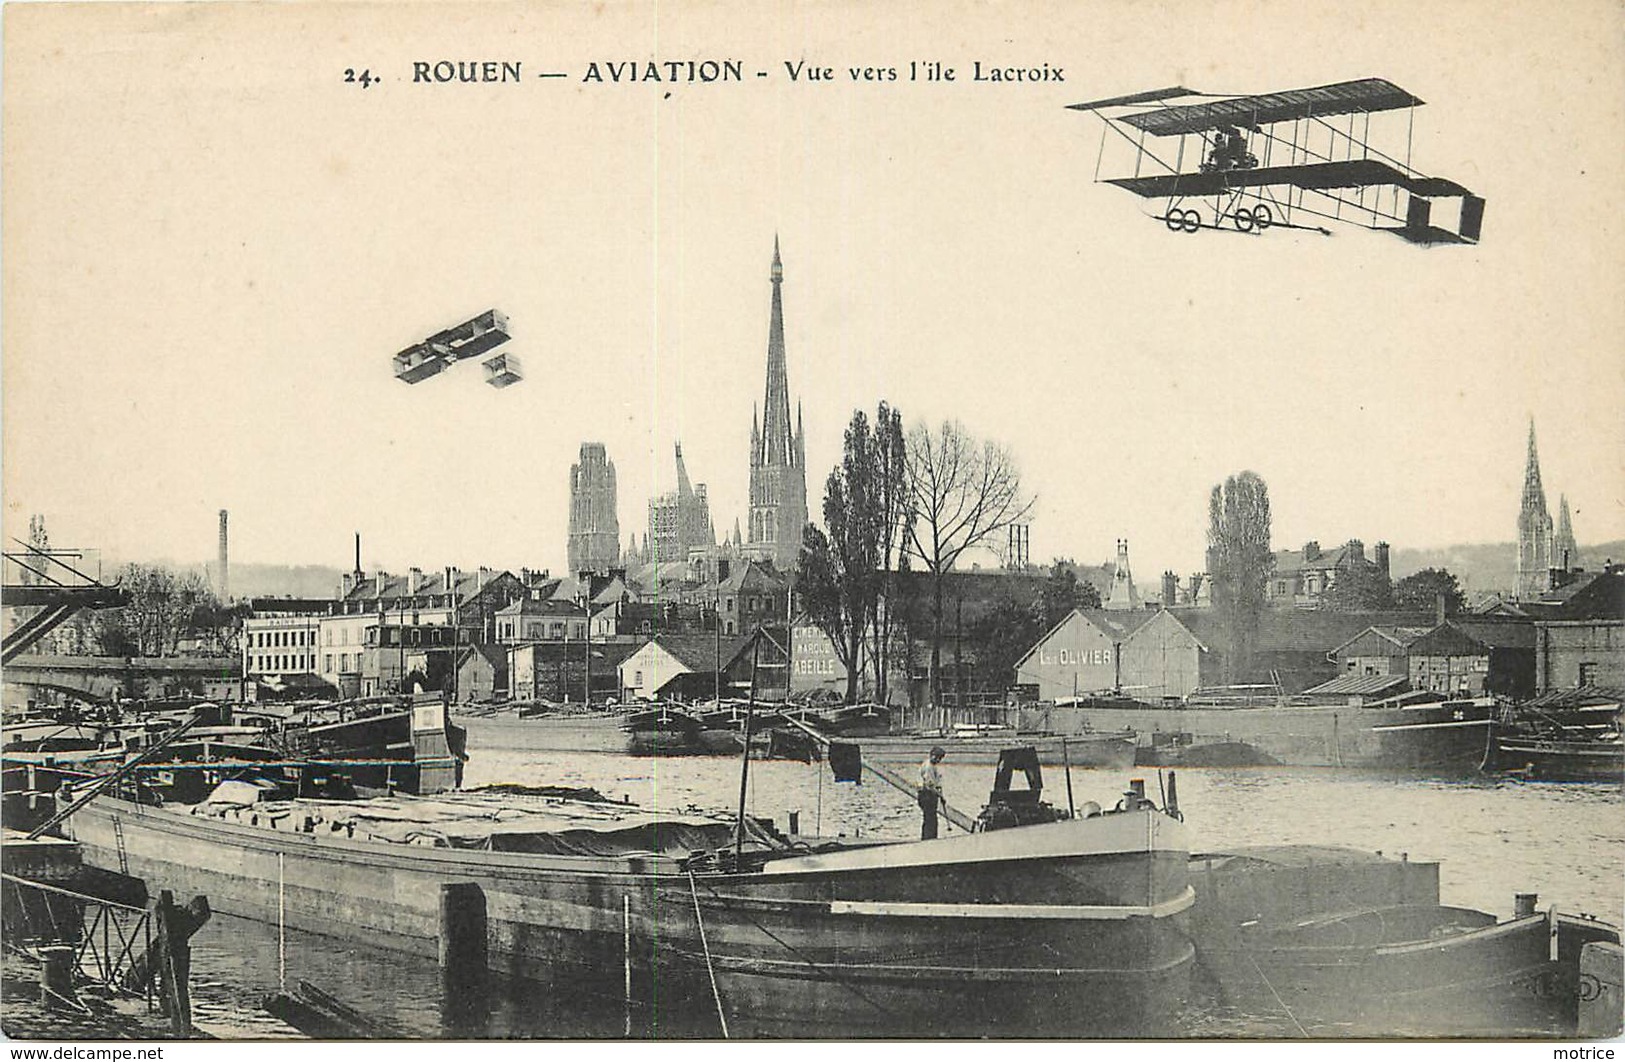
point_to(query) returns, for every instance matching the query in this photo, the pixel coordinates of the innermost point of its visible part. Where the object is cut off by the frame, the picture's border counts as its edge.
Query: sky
(213, 245)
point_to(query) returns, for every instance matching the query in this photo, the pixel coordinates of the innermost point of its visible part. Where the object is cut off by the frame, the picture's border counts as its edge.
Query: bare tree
(964, 491)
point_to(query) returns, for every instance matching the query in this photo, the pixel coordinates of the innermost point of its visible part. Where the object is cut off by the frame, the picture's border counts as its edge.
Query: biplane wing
(1315, 176)
(1365, 96)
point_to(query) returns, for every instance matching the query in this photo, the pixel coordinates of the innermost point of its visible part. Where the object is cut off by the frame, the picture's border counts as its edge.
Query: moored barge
(1069, 928)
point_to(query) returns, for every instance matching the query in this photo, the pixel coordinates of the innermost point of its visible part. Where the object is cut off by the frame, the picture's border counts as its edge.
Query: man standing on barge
(930, 792)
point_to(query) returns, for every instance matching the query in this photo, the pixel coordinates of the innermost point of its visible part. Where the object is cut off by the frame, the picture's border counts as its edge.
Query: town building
(534, 617)
(689, 667)
(751, 594)
(1475, 657)
(595, 531)
(1163, 660)
(482, 673)
(280, 637)
(1302, 578)
(778, 464)
(1381, 650)
(1080, 654)
(463, 603)
(1580, 633)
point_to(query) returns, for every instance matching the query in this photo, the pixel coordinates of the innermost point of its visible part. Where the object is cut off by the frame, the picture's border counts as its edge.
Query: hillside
(1484, 568)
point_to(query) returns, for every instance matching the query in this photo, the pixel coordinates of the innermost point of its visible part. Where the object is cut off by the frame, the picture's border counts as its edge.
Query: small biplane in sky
(1280, 160)
(474, 337)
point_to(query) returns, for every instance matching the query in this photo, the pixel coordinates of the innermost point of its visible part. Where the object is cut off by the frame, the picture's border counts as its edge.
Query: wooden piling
(462, 926)
(56, 978)
(173, 954)
(463, 954)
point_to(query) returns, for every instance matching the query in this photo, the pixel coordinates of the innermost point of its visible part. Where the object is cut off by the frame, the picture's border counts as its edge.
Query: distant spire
(1565, 551)
(1536, 554)
(684, 488)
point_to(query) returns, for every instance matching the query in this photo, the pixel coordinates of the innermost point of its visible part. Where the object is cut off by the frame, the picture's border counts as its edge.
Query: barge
(1064, 929)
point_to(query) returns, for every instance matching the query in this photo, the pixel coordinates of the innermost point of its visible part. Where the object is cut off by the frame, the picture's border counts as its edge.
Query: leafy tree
(846, 571)
(824, 589)
(1062, 592)
(1358, 588)
(1002, 637)
(1420, 591)
(963, 492)
(1239, 562)
(895, 517)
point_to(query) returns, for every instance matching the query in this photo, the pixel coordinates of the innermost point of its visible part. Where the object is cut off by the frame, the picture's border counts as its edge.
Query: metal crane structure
(474, 337)
(49, 590)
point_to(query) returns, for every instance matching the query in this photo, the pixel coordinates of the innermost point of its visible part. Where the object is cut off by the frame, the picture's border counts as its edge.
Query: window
(637, 679)
(327, 663)
(1588, 674)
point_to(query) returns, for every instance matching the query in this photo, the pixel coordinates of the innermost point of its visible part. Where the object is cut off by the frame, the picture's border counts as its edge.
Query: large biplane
(1288, 159)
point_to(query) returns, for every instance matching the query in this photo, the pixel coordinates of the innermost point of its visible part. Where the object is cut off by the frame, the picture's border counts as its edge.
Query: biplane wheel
(1261, 216)
(1243, 219)
(1175, 219)
(1192, 220)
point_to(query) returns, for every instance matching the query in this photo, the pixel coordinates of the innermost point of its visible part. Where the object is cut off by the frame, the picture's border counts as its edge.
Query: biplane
(476, 336)
(1290, 160)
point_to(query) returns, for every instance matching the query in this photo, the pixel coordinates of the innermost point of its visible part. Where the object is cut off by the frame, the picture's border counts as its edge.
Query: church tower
(594, 542)
(1124, 596)
(1565, 551)
(1534, 531)
(778, 472)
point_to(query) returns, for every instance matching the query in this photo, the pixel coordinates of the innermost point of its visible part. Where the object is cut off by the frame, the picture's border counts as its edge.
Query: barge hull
(796, 949)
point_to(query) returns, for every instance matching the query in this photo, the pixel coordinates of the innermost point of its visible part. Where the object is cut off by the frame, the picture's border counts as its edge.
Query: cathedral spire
(1565, 551)
(778, 480)
(1534, 496)
(1535, 540)
(776, 439)
(684, 488)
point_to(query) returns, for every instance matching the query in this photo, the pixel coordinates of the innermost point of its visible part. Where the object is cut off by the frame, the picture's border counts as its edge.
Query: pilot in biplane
(1229, 151)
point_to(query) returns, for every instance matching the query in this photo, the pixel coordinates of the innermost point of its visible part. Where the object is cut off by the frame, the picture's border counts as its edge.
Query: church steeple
(778, 480)
(1565, 551)
(1534, 496)
(1535, 552)
(776, 443)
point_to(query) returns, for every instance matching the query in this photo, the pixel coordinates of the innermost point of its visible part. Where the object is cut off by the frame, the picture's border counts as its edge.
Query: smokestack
(1170, 589)
(357, 570)
(1382, 558)
(225, 568)
(1438, 608)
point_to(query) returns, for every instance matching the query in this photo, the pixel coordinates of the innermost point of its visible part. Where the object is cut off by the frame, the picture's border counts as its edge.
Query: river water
(1492, 837)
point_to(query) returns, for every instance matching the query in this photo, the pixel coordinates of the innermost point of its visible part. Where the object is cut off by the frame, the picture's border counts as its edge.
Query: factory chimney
(225, 570)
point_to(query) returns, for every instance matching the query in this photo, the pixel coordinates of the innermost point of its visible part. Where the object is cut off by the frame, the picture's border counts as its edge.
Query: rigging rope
(710, 967)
